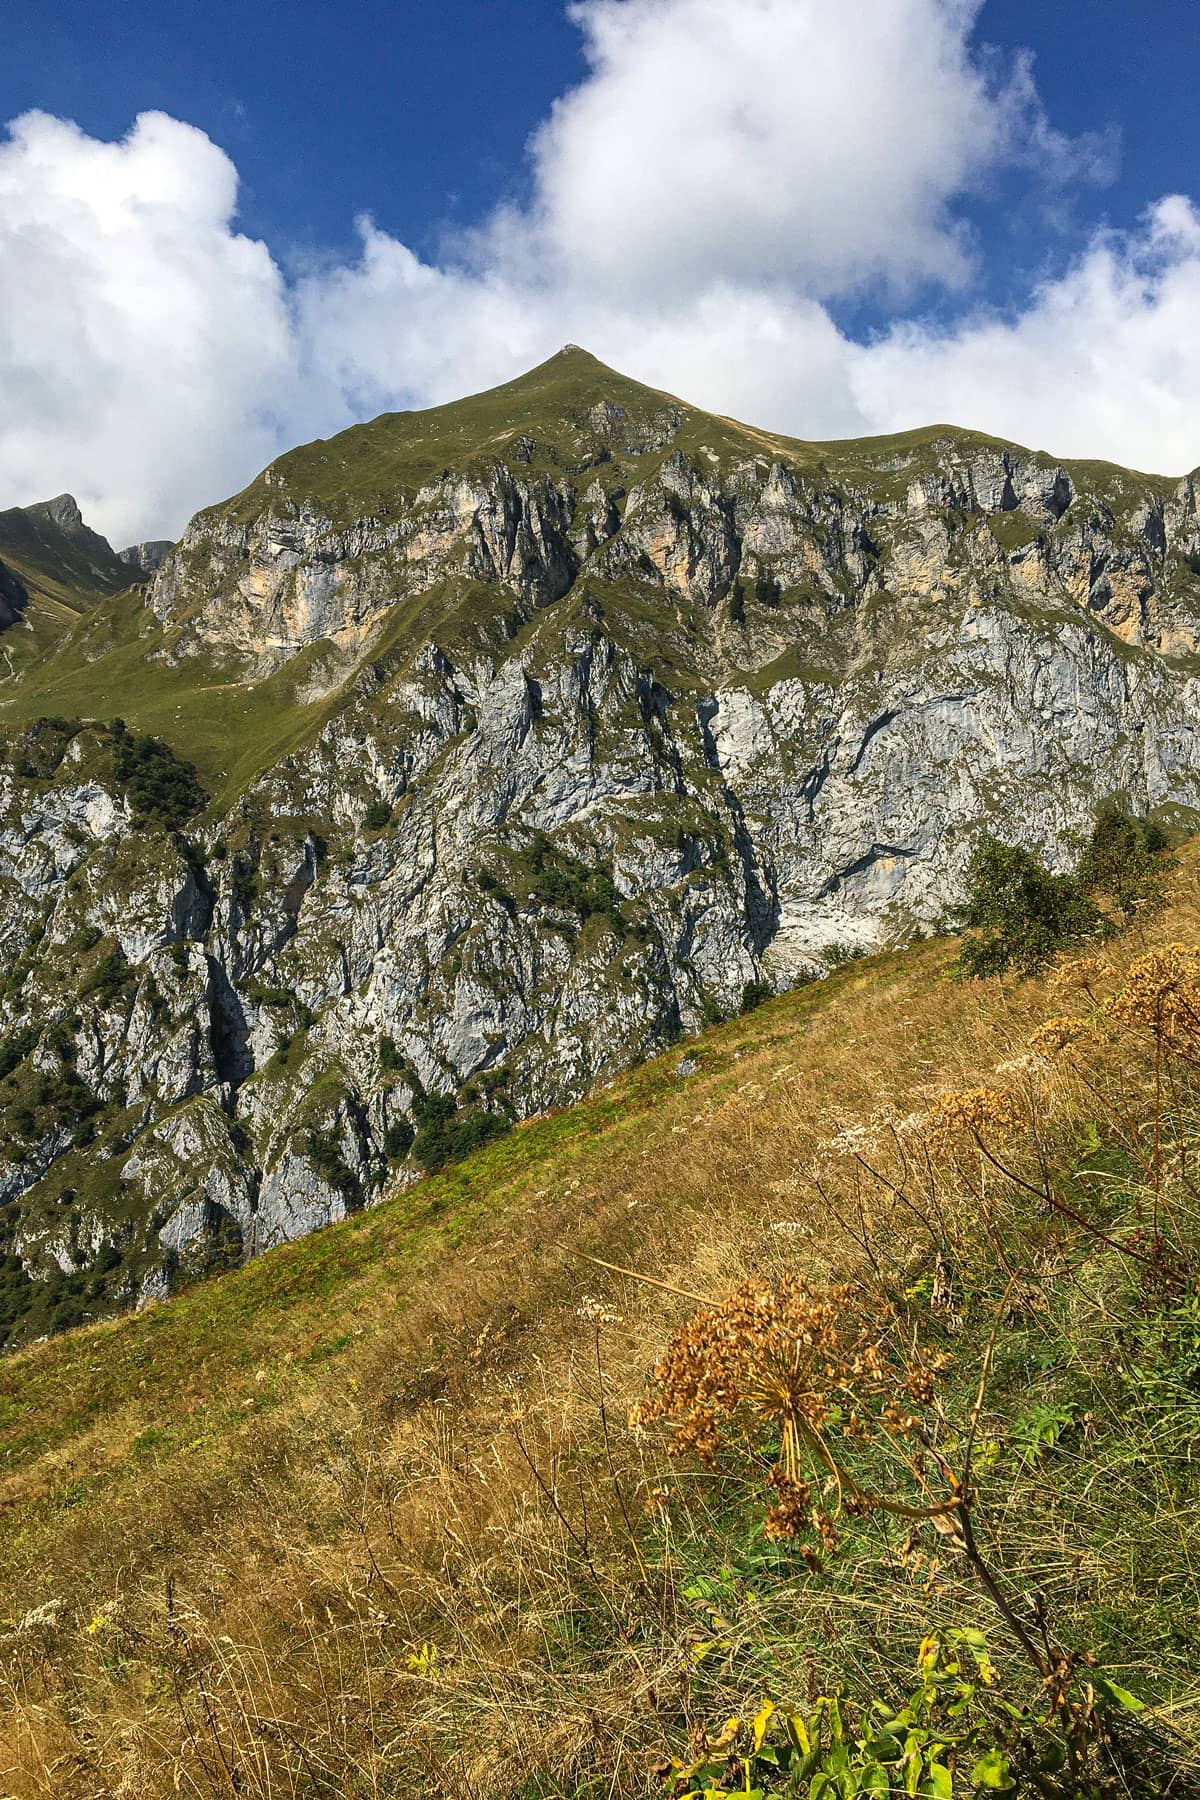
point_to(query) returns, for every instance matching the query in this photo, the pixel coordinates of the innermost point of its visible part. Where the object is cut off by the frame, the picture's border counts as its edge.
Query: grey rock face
(651, 732)
(149, 557)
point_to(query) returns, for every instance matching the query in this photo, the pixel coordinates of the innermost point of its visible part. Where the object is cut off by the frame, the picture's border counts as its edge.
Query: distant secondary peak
(149, 556)
(62, 511)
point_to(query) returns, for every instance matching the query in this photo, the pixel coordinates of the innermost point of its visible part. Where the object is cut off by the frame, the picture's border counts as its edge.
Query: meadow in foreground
(820, 1421)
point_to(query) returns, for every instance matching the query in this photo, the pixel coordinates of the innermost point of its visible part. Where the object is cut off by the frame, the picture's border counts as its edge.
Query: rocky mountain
(468, 757)
(53, 569)
(53, 553)
(148, 557)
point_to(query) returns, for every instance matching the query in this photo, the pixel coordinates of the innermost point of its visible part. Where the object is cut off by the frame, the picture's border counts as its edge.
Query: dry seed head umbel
(1082, 974)
(1162, 990)
(1060, 1035)
(777, 1355)
(970, 1113)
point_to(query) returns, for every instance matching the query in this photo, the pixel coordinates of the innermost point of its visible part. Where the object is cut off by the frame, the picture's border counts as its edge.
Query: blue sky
(419, 113)
(1023, 203)
(414, 112)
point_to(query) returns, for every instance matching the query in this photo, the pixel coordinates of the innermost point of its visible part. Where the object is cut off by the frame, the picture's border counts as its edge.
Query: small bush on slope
(365, 1517)
(1126, 861)
(1024, 915)
(161, 785)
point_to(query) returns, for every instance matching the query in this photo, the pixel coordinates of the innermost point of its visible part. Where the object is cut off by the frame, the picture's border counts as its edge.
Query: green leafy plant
(1022, 914)
(1041, 1428)
(956, 1734)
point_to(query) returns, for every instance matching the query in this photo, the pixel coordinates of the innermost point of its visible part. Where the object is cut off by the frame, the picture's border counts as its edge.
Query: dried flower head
(970, 1113)
(1084, 974)
(1061, 1034)
(1162, 990)
(781, 1357)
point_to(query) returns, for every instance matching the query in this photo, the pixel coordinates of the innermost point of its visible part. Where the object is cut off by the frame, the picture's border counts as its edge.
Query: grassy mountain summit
(364, 505)
(470, 757)
(567, 412)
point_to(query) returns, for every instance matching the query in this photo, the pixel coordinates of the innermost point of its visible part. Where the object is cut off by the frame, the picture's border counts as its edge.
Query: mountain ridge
(528, 733)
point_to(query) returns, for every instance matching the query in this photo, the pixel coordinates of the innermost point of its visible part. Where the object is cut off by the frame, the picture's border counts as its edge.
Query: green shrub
(1023, 914)
(447, 1135)
(767, 591)
(16, 1047)
(754, 993)
(398, 1140)
(710, 1012)
(957, 1733)
(836, 956)
(737, 604)
(324, 1151)
(160, 784)
(1125, 861)
(377, 816)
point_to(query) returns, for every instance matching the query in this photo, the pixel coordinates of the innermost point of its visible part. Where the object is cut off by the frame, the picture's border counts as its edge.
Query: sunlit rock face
(617, 711)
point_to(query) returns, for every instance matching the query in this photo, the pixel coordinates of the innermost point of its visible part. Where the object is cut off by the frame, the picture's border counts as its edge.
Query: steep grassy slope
(365, 1517)
(115, 662)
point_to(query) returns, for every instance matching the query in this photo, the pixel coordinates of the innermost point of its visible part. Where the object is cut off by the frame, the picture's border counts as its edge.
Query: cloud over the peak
(1104, 361)
(721, 175)
(810, 145)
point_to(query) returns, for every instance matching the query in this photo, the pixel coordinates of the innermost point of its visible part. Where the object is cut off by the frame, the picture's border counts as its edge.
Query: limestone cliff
(550, 721)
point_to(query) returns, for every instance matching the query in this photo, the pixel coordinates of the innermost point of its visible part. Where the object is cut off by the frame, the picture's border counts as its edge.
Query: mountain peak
(55, 553)
(63, 512)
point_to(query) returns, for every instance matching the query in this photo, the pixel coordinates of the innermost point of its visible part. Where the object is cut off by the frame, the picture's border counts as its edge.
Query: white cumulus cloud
(809, 144)
(144, 344)
(720, 178)
(1104, 361)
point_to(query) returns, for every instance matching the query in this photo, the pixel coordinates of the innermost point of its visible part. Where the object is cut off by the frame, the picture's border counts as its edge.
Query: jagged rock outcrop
(50, 552)
(600, 709)
(147, 558)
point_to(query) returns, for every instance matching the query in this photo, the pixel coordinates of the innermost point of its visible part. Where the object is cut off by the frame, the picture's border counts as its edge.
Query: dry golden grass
(369, 1520)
